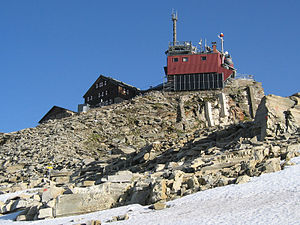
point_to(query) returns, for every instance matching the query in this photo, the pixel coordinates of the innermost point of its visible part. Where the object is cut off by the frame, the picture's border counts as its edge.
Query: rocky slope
(147, 150)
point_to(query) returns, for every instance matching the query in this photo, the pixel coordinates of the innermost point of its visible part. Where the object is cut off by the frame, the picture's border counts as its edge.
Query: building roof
(112, 80)
(53, 109)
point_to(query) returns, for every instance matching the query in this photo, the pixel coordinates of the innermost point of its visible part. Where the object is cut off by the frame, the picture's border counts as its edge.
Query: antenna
(174, 19)
(222, 42)
(200, 43)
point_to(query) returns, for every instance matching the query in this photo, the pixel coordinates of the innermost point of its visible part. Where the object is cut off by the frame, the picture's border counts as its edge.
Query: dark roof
(52, 109)
(112, 80)
(158, 87)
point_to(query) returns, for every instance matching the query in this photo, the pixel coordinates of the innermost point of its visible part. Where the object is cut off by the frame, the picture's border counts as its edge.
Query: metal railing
(180, 43)
(244, 76)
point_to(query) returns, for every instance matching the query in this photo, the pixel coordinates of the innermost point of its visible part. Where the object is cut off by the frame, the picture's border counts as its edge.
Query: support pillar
(223, 103)
(208, 114)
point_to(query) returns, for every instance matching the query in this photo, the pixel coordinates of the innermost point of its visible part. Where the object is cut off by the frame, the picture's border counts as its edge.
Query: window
(110, 101)
(97, 85)
(105, 92)
(91, 98)
(102, 93)
(127, 91)
(99, 95)
(104, 82)
(121, 90)
(203, 58)
(100, 84)
(175, 59)
(87, 99)
(185, 59)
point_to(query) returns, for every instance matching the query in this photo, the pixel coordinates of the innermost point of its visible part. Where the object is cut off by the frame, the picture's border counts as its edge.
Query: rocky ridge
(151, 149)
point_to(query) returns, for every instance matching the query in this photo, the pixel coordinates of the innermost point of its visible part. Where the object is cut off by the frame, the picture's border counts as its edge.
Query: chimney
(214, 45)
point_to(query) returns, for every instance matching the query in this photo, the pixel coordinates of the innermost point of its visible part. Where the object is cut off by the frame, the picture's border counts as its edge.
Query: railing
(180, 43)
(244, 76)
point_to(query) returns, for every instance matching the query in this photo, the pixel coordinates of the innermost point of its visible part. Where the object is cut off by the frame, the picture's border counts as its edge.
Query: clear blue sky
(51, 51)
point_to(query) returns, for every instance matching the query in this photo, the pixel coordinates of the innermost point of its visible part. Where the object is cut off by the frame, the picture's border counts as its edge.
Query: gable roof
(52, 109)
(112, 80)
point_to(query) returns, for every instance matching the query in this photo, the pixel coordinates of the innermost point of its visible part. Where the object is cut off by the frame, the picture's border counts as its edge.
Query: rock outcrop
(277, 115)
(151, 149)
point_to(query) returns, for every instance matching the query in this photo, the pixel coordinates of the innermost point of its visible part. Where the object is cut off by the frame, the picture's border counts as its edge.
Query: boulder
(197, 162)
(178, 178)
(74, 204)
(193, 183)
(243, 179)
(22, 203)
(159, 189)
(85, 200)
(277, 115)
(158, 206)
(124, 150)
(271, 165)
(121, 177)
(140, 192)
(45, 213)
(51, 193)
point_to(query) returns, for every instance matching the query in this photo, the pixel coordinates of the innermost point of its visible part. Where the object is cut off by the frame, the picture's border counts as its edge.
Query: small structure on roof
(56, 112)
(107, 91)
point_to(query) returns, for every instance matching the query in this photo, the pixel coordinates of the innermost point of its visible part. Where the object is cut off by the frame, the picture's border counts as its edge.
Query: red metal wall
(195, 64)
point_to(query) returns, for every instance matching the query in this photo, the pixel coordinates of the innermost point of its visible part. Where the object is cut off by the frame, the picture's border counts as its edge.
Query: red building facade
(191, 69)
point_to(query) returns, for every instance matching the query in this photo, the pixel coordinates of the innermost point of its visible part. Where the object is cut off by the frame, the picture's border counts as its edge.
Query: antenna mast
(222, 42)
(174, 19)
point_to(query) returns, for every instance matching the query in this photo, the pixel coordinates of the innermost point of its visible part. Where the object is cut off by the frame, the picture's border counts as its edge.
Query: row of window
(101, 84)
(107, 102)
(100, 94)
(186, 59)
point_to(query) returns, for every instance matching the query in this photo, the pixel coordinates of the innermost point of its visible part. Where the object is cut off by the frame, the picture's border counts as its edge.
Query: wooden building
(56, 112)
(107, 91)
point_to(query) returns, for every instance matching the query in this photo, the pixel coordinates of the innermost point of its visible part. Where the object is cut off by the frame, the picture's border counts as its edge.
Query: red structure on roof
(191, 69)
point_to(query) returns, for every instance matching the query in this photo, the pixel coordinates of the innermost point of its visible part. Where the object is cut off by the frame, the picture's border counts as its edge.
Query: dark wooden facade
(107, 91)
(56, 112)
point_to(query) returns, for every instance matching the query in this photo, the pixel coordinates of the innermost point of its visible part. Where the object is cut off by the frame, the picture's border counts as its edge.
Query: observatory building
(189, 68)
